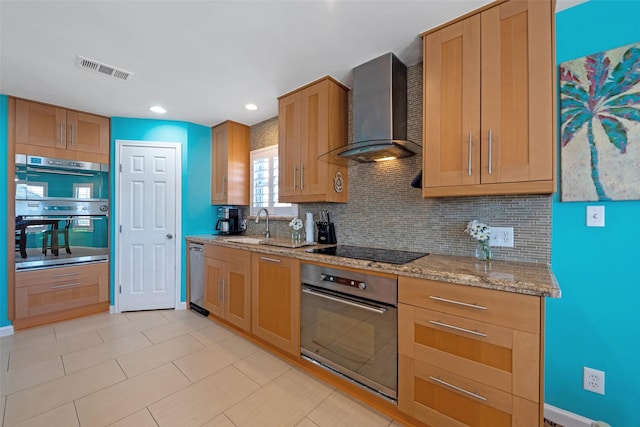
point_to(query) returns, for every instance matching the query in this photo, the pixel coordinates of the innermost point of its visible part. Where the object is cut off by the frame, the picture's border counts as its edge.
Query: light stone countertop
(518, 277)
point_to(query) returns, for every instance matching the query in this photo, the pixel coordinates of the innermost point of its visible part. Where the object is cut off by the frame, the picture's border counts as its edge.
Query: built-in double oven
(62, 212)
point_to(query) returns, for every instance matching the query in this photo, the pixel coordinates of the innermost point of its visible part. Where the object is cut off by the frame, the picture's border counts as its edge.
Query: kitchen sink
(246, 240)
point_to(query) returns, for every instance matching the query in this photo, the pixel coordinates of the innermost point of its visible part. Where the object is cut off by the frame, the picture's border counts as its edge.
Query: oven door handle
(373, 308)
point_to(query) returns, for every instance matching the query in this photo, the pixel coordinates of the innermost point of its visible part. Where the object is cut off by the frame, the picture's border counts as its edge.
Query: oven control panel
(343, 281)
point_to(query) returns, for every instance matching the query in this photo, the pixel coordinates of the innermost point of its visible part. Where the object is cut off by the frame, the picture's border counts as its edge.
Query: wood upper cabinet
(469, 356)
(230, 164)
(276, 301)
(488, 103)
(60, 132)
(312, 121)
(227, 285)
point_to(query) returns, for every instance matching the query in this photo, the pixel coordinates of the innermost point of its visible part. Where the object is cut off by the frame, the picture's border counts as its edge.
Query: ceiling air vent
(99, 67)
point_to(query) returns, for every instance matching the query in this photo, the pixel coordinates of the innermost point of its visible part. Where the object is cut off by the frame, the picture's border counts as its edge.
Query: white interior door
(147, 235)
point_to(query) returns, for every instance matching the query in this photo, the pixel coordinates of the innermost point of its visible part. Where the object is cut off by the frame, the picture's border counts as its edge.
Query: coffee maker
(230, 221)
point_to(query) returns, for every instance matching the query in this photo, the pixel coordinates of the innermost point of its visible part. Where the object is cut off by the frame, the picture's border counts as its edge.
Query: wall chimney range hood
(379, 112)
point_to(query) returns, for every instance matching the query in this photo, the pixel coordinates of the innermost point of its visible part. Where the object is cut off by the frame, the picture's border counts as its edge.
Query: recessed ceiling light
(158, 109)
(251, 107)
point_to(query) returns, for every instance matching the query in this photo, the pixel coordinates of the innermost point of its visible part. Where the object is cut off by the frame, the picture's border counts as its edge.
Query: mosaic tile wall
(385, 211)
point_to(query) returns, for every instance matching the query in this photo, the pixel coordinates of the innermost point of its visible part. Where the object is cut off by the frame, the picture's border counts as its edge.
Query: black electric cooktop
(389, 256)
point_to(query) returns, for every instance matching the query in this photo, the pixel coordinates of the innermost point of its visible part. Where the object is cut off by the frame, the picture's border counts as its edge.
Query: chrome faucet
(266, 213)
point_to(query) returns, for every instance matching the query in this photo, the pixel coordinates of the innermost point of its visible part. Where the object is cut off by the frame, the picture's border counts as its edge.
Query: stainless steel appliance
(196, 278)
(349, 325)
(230, 221)
(60, 203)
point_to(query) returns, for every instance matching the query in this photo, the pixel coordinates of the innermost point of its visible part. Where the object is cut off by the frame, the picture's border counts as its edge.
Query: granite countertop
(518, 277)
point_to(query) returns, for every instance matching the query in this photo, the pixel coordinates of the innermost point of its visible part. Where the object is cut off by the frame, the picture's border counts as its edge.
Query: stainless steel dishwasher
(196, 278)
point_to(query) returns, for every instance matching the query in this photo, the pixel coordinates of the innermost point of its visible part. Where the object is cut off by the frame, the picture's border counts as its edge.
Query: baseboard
(5, 331)
(181, 306)
(565, 418)
(112, 309)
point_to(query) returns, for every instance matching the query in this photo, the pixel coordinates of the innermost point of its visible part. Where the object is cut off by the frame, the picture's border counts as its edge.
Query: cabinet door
(87, 133)
(213, 276)
(276, 301)
(40, 124)
(314, 126)
(289, 146)
(517, 91)
(219, 166)
(237, 292)
(452, 105)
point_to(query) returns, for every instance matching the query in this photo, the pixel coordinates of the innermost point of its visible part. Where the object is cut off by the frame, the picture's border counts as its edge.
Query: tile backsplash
(385, 211)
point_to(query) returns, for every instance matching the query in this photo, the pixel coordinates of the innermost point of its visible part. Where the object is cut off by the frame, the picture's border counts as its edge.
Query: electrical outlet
(501, 236)
(593, 380)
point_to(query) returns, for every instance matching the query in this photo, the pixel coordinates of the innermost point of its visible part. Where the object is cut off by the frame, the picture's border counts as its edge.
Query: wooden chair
(55, 243)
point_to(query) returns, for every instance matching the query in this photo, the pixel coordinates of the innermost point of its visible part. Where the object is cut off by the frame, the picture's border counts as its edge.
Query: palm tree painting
(600, 126)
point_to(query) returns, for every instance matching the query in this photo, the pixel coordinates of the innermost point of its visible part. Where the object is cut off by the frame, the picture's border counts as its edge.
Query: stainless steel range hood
(379, 112)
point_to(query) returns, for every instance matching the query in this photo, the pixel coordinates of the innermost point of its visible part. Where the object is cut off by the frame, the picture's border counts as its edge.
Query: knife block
(326, 233)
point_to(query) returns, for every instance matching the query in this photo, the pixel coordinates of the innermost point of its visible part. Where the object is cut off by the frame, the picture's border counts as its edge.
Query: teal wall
(197, 212)
(596, 323)
(4, 306)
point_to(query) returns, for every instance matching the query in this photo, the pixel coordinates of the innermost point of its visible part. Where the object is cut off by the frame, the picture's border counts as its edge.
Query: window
(264, 184)
(31, 190)
(83, 191)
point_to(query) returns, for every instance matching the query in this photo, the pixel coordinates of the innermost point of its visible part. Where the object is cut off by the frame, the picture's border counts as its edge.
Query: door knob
(169, 236)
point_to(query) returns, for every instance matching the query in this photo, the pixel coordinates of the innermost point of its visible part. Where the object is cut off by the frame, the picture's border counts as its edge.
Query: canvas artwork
(600, 126)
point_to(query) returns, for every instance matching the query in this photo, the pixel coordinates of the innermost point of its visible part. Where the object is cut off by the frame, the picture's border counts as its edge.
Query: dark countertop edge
(468, 275)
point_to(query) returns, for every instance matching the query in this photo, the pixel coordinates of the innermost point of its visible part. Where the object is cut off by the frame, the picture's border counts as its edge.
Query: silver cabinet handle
(295, 171)
(264, 258)
(223, 291)
(466, 304)
(72, 143)
(490, 148)
(470, 151)
(219, 295)
(195, 249)
(68, 285)
(301, 176)
(60, 133)
(455, 387)
(65, 275)
(457, 328)
(169, 236)
(378, 310)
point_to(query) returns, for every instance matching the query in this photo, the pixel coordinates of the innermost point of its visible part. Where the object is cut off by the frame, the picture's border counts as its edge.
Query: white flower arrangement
(478, 230)
(296, 224)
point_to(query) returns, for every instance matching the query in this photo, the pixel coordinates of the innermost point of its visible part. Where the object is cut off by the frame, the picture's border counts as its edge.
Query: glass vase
(483, 250)
(296, 236)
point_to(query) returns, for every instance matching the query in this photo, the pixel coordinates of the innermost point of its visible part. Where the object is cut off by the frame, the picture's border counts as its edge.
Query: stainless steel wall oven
(62, 212)
(349, 324)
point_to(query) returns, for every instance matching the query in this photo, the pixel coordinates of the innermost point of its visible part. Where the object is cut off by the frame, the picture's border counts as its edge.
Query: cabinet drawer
(60, 274)
(502, 358)
(507, 309)
(58, 296)
(439, 397)
(223, 254)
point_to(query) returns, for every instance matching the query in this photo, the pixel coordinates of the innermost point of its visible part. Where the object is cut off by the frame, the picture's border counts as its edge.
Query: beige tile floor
(160, 368)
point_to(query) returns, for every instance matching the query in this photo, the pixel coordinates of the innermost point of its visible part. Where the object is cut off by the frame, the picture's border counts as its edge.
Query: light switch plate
(595, 216)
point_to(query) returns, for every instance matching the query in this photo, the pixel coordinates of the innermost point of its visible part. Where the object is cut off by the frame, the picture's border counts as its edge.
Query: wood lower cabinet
(51, 131)
(53, 294)
(276, 301)
(230, 164)
(469, 356)
(489, 104)
(312, 121)
(227, 285)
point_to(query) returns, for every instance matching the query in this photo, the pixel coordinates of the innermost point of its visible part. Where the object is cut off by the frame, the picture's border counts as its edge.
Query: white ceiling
(203, 60)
